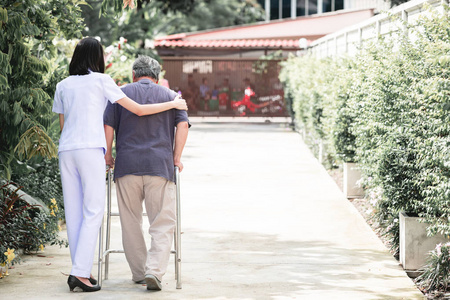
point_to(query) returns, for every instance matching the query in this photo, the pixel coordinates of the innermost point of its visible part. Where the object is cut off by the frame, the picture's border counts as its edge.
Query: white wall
(379, 5)
(350, 39)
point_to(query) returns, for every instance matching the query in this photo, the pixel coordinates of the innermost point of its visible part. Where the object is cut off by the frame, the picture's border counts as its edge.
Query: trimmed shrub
(387, 110)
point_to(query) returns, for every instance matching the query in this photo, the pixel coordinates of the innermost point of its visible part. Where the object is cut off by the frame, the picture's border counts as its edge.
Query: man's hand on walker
(180, 103)
(178, 164)
(109, 161)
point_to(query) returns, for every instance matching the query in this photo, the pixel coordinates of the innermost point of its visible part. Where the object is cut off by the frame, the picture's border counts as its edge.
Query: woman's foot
(92, 280)
(82, 283)
(85, 281)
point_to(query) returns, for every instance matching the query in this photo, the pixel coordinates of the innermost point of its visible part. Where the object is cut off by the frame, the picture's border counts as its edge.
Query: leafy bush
(388, 111)
(40, 178)
(306, 80)
(120, 57)
(25, 226)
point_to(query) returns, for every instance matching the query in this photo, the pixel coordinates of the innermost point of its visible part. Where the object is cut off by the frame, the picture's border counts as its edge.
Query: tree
(167, 5)
(208, 14)
(136, 25)
(27, 61)
(160, 17)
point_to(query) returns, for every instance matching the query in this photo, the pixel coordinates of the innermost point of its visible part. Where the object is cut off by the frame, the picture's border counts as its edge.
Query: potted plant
(415, 243)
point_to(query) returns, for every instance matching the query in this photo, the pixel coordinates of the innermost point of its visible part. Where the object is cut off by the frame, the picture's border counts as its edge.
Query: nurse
(80, 101)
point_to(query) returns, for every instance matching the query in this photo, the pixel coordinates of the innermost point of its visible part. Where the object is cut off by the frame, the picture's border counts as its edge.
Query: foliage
(388, 111)
(208, 14)
(24, 226)
(10, 257)
(33, 142)
(435, 275)
(318, 102)
(40, 178)
(265, 68)
(137, 25)
(28, 28)
(167, 5)
(155, 18)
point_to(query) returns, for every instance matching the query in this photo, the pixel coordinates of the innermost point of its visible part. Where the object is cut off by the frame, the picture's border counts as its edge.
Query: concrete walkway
(261, 220)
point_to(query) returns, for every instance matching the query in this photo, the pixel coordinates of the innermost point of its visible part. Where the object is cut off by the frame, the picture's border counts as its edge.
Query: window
(286, 10)
(338, 4)
(312, 7)
(332, 5)
(282, 8)
(274, 9)
(301, 7)
(327, 5)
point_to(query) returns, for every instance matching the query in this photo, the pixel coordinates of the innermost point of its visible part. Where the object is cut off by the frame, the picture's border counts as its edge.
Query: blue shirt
(144, 145)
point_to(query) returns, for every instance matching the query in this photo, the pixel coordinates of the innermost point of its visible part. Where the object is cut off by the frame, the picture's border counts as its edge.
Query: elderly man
(147, 149)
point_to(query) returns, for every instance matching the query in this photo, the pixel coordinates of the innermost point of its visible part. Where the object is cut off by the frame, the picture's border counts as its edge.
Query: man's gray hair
(145, 66)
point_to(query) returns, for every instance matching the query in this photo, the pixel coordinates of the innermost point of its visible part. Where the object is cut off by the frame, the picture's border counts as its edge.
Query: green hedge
(388, 110)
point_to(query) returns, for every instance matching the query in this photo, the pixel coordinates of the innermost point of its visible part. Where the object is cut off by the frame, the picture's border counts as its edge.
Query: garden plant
(387, 108)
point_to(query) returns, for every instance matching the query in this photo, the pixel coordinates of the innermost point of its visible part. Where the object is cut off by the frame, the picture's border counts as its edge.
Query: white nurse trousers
(83, 183)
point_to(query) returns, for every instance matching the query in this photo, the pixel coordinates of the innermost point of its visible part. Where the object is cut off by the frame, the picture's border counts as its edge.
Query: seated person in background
(215, 93)
(204, 93)
(191, 94)
(225, 95)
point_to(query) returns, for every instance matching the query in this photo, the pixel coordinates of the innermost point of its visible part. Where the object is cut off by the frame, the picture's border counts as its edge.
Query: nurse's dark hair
(88, 54)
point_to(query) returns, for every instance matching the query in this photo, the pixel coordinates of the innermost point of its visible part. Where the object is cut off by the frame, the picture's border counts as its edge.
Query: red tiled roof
(271, 43)
(171, 37)
(309, 27)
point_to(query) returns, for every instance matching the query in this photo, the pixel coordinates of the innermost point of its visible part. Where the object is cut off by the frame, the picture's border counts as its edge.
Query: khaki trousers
(159, 196)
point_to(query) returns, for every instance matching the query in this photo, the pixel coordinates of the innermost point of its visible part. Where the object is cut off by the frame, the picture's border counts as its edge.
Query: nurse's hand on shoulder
(180, 103)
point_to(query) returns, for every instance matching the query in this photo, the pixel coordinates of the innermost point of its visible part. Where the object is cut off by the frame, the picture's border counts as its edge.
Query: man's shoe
(153, 283)
(141, 281)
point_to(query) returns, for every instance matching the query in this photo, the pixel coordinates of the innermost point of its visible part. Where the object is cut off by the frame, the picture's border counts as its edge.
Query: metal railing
(349, 40)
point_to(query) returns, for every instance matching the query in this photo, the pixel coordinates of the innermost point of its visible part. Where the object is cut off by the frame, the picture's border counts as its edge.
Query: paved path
(261, 220)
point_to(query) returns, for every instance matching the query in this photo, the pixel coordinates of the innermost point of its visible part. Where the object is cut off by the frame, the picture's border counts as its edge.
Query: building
(255, 40)
(281, 9)
(228, 58)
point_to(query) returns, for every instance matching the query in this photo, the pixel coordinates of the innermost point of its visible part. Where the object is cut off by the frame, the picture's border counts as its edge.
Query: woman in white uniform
(80, 101)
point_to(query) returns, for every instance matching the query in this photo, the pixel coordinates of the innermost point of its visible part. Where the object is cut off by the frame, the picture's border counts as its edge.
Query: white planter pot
(414, 242)
(351, 176)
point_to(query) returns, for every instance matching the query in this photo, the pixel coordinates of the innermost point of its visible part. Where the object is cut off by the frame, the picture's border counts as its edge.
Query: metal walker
(103, 254)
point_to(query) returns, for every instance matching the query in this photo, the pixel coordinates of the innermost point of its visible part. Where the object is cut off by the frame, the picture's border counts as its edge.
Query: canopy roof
(244, 43)
(274, 34)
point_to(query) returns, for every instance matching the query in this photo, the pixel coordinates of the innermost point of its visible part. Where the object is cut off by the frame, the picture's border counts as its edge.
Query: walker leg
(100, 254)
(100, 234)
(178, 231)
(108, 224)
(175, 252)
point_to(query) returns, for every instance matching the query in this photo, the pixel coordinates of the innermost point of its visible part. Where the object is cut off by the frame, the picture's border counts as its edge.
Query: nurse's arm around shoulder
(150, 109)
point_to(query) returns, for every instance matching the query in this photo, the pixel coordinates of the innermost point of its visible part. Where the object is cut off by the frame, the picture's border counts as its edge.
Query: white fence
(350, 39)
